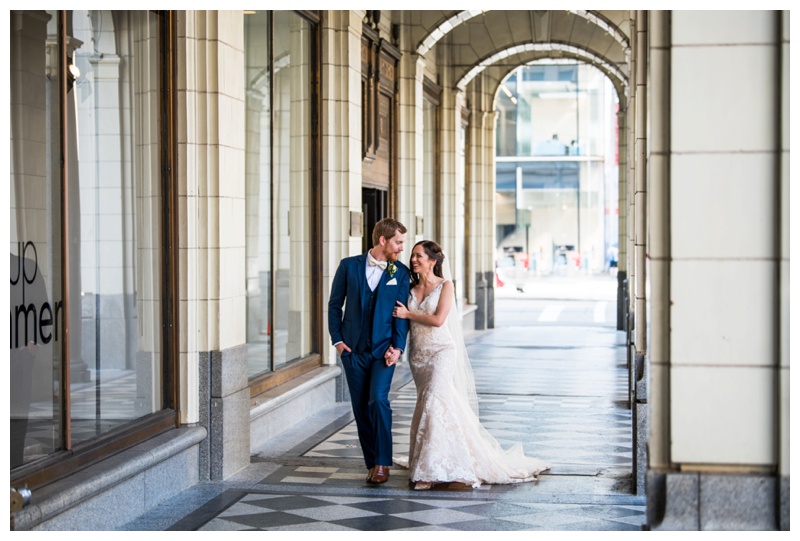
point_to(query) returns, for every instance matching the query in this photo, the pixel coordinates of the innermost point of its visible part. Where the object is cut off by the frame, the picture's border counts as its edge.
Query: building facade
(185, 183)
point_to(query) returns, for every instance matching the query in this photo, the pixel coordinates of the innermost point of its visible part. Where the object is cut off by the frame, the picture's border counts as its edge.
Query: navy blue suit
(367, 327)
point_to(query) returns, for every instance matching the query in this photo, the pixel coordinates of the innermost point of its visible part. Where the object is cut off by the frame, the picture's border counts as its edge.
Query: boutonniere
(392, 268)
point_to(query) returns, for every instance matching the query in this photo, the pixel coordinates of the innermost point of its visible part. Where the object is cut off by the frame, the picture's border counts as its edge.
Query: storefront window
(115, 359)
(36, 299)
(113, 256)
(279, 206)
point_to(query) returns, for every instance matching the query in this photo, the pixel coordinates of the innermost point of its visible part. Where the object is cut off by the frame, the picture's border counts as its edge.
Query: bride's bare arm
(438, 318)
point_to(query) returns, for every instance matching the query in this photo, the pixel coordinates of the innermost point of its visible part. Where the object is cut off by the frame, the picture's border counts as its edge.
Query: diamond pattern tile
(560, 391)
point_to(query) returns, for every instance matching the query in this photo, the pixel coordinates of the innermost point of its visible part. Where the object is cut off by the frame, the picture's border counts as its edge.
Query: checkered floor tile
(559, 391)
(303, 512)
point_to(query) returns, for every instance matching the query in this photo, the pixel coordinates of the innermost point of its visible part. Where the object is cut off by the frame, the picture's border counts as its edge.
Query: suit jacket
(350, 289)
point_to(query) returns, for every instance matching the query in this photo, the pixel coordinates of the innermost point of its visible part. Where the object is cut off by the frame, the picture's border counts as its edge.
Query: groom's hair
(386, 228)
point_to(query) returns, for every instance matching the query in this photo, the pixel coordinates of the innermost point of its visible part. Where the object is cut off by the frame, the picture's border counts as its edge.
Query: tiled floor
(272, 511)
(559, 390)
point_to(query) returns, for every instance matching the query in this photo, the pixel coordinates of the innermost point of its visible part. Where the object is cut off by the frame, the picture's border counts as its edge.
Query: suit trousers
(369, 381)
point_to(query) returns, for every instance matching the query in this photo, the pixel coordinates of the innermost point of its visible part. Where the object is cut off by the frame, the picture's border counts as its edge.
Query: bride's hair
(434, 251)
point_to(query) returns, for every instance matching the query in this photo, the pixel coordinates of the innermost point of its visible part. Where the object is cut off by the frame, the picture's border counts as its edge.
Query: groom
(369, 340)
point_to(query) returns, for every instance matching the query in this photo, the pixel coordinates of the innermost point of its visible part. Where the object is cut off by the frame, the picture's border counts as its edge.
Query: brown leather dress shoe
(380, 475)
(369, 474)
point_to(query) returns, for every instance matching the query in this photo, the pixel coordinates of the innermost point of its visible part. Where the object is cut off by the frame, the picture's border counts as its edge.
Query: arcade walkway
(551, 375)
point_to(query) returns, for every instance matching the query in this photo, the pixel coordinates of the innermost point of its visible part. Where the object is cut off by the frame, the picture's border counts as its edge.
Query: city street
(560, 301)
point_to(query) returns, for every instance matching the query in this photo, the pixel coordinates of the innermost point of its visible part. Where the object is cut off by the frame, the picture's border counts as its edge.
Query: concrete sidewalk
(576, 287)
(560, 391)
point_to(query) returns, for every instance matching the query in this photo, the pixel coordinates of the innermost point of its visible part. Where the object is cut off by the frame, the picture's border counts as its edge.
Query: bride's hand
(400, 311)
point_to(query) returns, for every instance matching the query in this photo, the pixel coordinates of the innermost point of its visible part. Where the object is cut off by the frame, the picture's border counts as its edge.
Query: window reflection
(278, 188)
(115, 333)
(258, 179)
(114, 243)
(36, 299)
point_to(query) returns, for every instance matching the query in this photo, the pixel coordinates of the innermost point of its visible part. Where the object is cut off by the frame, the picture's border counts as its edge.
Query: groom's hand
(340, 347)
(392, 356)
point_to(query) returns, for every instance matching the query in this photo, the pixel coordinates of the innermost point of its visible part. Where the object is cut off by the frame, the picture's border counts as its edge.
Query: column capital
(420, 62)
(488, 118)
(51, 52)
(412, 65)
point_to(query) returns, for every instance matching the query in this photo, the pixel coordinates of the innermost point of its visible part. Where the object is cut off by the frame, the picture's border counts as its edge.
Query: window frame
(293, 368)
(72, 458)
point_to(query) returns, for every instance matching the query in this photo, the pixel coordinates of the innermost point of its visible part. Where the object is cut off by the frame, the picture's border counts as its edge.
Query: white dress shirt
(374, 272)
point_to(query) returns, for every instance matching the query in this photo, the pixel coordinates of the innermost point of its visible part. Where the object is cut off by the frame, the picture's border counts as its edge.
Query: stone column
(474, 287)
(785, 330)
(410, 148)
(640, 181)
(489, 218)
(659, 245)
(638, 376)
(631, 180)
(342, 153)
(451, 123)
(725, 344)
(633, 270)
(480, 192)
(211, 179)
(622, 256)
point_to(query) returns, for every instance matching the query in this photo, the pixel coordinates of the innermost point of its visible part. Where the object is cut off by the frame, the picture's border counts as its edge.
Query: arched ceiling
(478, 39)
(543, 50)
(498, 71)
(434, 25)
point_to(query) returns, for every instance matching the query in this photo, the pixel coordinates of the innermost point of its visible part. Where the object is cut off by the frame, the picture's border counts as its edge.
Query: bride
(448, 443)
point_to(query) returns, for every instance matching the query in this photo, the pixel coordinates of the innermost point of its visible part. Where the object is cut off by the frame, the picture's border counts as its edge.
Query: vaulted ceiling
(503, 40)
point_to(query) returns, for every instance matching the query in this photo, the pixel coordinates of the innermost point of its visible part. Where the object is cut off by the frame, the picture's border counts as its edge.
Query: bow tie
(376, 263)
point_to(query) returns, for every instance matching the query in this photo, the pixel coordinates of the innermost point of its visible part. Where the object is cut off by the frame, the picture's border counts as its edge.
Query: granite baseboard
(116, 490)
(286, 405)
(704, 501)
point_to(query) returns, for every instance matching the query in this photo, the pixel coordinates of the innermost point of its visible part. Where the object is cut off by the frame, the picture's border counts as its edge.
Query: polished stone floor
(552, 376)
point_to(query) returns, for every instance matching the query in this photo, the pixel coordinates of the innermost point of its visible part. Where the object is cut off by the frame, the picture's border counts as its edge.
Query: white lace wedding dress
(448, 443)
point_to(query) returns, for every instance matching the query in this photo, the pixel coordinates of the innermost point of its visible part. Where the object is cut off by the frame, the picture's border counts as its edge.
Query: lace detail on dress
(447, 441)
(428, 336)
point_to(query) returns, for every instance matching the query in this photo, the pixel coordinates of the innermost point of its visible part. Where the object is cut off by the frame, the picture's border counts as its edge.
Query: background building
(557, 169)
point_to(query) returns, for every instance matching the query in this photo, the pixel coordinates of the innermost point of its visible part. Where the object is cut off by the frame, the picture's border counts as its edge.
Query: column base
(622, 283)
(224, 412)
(704, 501)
